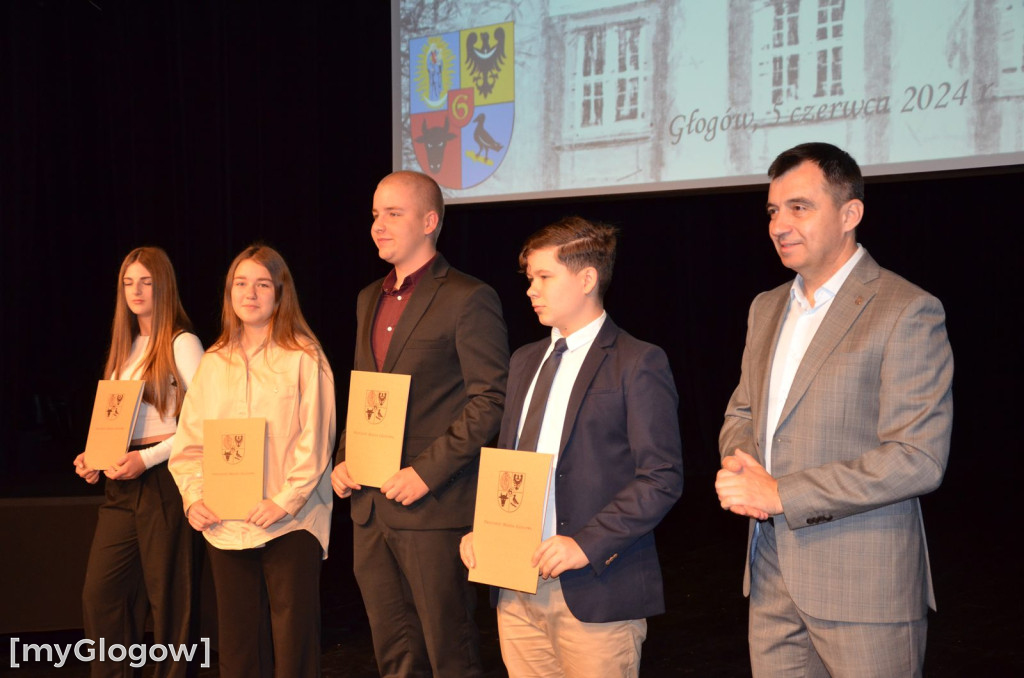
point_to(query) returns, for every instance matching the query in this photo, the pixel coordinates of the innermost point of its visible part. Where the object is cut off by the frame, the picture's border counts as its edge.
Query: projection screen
(522, 99)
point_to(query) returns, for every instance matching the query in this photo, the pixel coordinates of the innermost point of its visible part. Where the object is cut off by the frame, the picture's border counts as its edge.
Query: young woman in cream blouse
(266, 569)
(141, 556)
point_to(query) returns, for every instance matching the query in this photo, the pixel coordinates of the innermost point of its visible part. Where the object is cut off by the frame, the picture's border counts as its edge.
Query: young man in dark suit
(609, 418)
(444, 328)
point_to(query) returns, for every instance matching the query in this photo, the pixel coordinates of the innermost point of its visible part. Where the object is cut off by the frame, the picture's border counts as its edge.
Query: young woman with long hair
(141, 556)
(266, 569)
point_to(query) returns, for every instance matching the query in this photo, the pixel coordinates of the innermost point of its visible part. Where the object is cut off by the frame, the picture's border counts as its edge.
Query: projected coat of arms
(462, 102)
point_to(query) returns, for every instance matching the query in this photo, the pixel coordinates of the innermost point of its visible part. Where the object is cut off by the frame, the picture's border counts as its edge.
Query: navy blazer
(619, 469)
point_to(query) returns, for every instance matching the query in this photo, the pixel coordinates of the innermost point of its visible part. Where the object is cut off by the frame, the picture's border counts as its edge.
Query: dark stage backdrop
(201, 127)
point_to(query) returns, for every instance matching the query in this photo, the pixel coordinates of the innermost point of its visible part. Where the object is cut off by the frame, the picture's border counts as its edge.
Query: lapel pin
(859, 300)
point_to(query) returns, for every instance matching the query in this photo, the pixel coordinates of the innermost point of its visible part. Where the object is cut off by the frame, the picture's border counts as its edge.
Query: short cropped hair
(428, 193)
(581, 243)
(842, 174)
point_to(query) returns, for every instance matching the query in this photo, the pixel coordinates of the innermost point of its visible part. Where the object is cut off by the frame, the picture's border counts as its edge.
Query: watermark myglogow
(87, 650)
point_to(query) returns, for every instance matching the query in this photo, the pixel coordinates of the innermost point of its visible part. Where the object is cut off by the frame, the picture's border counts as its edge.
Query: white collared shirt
(577, 346)
(798, 329)
(294, 392)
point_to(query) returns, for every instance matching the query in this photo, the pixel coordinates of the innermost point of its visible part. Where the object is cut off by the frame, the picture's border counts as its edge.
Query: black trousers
(418, 600)
(141, 561)
(268, 608)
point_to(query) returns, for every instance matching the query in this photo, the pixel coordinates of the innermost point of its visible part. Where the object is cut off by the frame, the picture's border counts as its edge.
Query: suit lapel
(420, 301)
(603, 344)
(847, 306)
(765, 347)
(364, 344)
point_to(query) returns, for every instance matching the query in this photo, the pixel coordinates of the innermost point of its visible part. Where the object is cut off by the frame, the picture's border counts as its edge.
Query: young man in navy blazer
(610, 421)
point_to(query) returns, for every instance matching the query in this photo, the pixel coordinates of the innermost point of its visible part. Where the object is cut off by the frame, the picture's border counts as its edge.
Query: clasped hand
(554, 556)
(128, 467)
(264, 514)
(746, 488)
(405, 487)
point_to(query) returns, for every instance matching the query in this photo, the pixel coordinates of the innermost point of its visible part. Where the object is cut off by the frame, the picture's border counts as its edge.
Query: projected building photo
(614, 96)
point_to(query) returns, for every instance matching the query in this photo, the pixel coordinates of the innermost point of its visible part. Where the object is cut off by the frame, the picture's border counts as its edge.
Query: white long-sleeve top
(188, 350)
(294, 392)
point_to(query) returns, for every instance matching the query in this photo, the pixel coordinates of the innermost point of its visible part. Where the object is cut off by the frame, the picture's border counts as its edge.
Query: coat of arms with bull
(376, 406)
(232, 447)
(114, 405)
(511, 485)
(462, 102)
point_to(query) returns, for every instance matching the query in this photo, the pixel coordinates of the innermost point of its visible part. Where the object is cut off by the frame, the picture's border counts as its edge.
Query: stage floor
(977, 631)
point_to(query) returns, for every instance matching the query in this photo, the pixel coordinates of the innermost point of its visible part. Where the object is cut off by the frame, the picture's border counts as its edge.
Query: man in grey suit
(841, 420)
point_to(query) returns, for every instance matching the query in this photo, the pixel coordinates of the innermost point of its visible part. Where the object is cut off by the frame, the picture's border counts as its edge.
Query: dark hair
(580, 244)
(842, 174)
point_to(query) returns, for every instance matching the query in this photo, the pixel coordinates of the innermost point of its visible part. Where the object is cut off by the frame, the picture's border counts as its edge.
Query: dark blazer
(863, 433)
(451, 338)
(620, 470)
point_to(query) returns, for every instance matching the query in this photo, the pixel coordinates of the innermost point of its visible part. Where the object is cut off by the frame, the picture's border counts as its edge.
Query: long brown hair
(288, 327)
(164, 388)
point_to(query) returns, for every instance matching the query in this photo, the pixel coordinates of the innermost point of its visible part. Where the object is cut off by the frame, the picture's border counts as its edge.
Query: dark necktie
(535, 415)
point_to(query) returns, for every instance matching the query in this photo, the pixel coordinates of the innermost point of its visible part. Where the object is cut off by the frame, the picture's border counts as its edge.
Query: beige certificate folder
(509, 520)
(233, 463)
(113, 417)
(375, 427)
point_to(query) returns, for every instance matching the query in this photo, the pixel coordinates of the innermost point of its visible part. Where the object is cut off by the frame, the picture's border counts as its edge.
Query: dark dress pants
(268, 608)
(141, 561)
(418, 600)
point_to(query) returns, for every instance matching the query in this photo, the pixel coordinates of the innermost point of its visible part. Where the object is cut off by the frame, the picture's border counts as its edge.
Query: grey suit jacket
(863, 433)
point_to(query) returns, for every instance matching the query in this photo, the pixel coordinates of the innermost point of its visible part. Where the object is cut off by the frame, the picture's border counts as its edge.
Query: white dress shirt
(577, 345)
(798, 329)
